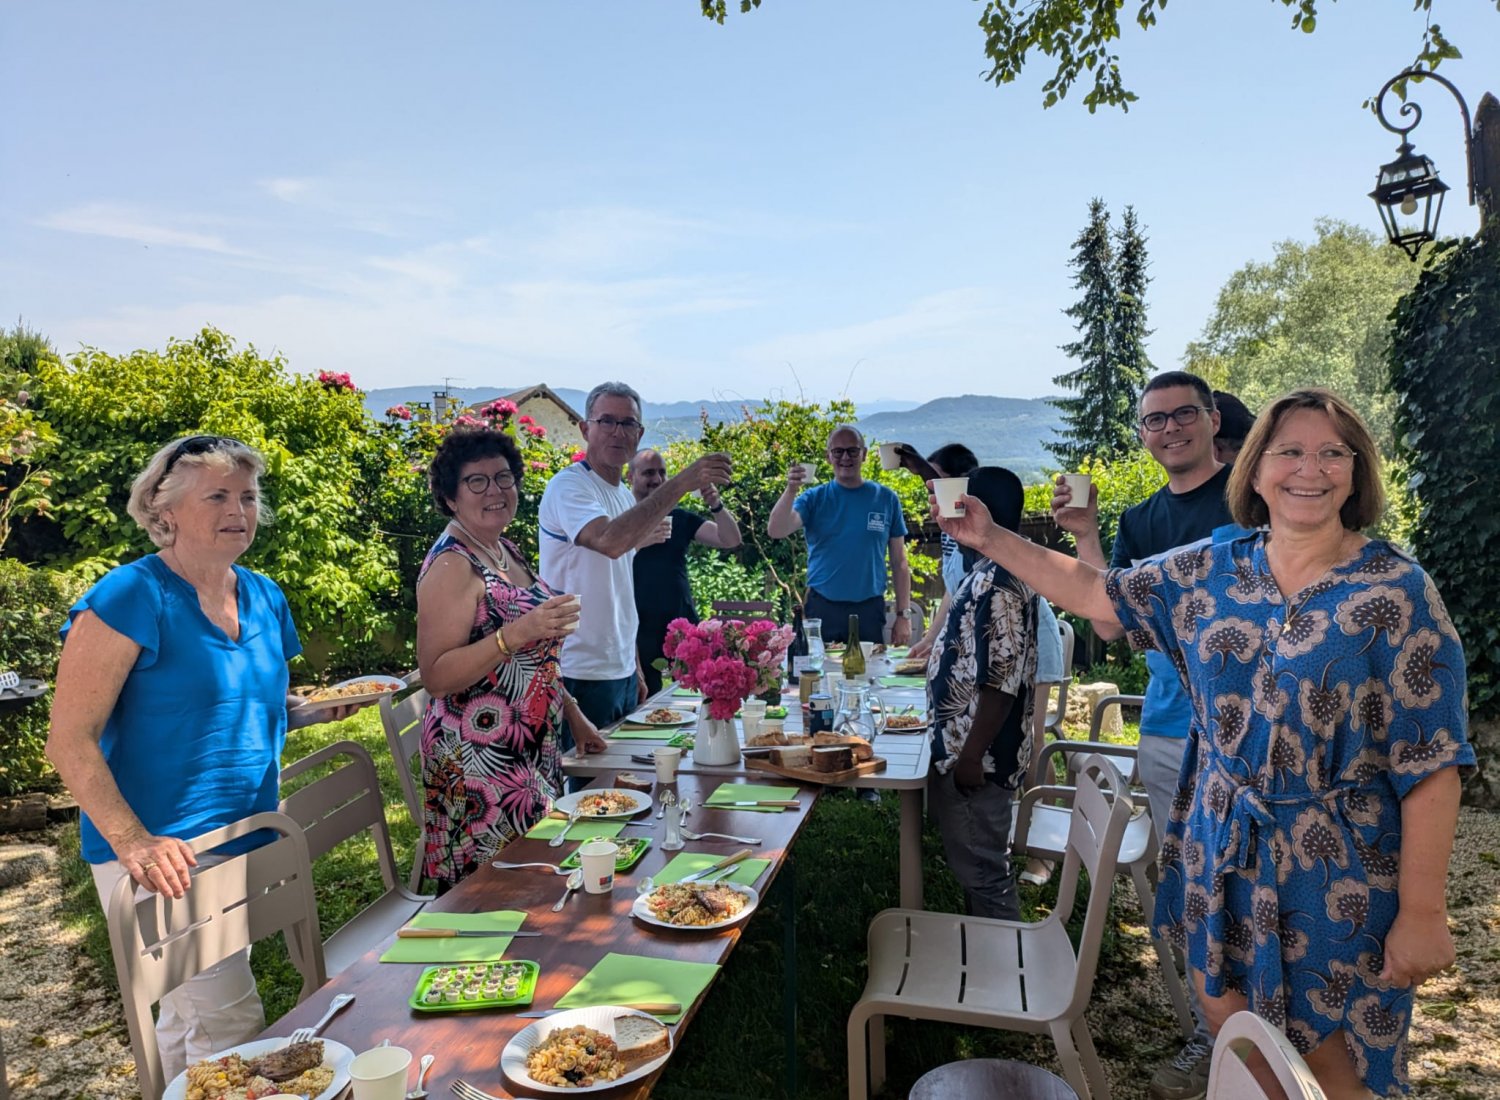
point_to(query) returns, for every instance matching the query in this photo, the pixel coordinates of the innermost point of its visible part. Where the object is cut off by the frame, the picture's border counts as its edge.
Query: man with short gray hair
(589, 527)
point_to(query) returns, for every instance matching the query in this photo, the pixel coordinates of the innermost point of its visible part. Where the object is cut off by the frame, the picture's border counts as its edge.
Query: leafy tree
(22, 432)
(1100, 418)
(1315, 314)
(1080, 35)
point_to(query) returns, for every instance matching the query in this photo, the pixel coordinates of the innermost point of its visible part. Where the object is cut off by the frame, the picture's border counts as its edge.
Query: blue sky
(818, 198)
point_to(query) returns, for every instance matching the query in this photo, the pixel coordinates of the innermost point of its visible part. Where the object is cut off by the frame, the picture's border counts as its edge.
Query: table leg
(788, 883)
(911, 848)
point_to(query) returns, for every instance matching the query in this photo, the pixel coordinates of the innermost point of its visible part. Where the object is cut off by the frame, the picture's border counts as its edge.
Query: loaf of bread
(792, 756)
(632, 782)
(862, 749)
(641, 1040)
(832, 758)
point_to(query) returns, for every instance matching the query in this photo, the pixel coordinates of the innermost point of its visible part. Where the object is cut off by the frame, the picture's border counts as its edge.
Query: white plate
(643, 911)
(391, 684)
(513, 1057)
(684, 717)
(923, 728)
(335, 1055)
(568, 802)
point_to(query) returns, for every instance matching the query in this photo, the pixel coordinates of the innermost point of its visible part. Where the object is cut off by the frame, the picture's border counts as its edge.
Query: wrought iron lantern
(1409, 185)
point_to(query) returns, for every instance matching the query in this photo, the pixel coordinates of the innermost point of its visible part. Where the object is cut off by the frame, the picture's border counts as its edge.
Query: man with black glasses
(590, 525)
(852, 525)
(1177, 423)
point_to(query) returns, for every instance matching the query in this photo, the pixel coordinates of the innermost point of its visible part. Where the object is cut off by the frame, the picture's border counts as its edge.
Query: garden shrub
(33, 606)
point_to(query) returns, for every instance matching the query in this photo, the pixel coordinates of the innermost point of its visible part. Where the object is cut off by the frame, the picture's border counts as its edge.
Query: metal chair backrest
(159, 942)
(745, 610)
(401, 716)
(1229, 1078)
(342, 804)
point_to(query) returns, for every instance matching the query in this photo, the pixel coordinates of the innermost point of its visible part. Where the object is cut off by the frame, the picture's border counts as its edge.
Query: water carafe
(856, 713)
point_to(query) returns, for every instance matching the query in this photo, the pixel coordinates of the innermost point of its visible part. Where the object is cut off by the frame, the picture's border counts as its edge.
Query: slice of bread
(792, 756)
(631, 781)
(641, 1039)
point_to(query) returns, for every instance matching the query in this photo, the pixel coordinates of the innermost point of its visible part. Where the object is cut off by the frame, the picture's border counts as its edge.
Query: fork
(307, 1034)
(466, 1091)
(557, 841)
(554, 868)
(722, 836)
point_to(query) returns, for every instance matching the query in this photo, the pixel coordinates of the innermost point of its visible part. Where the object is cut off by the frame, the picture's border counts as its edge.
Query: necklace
(1307, 591)
(500, 559)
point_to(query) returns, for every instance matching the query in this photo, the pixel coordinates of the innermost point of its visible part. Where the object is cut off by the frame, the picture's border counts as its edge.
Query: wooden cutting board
(808, 775)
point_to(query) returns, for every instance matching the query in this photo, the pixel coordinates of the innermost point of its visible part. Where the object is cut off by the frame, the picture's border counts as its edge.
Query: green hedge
(33, 605)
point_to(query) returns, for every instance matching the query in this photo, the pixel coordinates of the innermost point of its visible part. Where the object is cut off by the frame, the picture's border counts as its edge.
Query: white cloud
(287, 189)
(126, 223)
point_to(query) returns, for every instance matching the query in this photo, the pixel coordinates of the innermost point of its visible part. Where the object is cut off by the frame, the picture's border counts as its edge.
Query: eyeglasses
(1328, 459)
(479, 484)
(1183, 414)
(609, 424)
(841, 452)
(199, 445)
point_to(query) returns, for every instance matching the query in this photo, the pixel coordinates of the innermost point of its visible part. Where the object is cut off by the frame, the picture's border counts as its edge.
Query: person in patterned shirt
(980, 675)
(1308, 845)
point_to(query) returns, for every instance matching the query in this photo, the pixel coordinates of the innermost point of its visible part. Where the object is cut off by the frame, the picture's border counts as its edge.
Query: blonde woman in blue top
(171, 708)
(1307, 847)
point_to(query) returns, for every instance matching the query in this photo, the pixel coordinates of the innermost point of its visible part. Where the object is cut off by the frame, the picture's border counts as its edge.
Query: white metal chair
(1044, 818)
(334, 808)
(159, 943)
(1229, 1077)
(1057, 714)
(918, 622)
(1001, 974)
(403, 735)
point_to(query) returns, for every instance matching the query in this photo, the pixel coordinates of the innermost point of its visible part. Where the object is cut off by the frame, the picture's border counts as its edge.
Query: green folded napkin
(642, 733)
(457, 949)
(686, 863)
(903, 681)
(549, 827)
(622, 979)
(744, 792)
(686, 693)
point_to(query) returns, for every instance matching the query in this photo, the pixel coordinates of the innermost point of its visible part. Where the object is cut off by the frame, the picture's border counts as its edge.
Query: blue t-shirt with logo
(848, 532)
(1164, 521)
(194, 740)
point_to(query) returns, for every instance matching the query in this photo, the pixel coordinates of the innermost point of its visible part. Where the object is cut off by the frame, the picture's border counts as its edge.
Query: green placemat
(902, 681)
(459, 948)
(742, 792)
(549, 827)
(644, 733)
(618, 979)
(685, 863)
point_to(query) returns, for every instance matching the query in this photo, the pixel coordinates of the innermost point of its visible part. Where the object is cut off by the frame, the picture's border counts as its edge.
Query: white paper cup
(809, 472)
(868, 649)
(889, 459)
(380, 1074)
(752, 716)
(598, 860)
(667, 523)
(577, 602)
(1078, 485)
(667, 758)
(948, 490)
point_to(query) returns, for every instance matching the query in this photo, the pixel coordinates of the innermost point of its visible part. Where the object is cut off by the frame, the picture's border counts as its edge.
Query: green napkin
(549, 827)
(459, 948)
(744, 792)
(685, 863)
(618, 979)
(903, 681)
(642, 733)
(686, 693)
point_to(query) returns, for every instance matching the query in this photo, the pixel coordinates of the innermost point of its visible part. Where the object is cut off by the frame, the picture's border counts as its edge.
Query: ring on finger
(147, 864)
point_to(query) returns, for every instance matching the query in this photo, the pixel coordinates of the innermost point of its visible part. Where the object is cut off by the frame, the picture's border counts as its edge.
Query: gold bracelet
(500, 641)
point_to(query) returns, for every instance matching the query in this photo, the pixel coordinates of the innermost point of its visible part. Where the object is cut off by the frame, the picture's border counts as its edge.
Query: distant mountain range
(1002, 431)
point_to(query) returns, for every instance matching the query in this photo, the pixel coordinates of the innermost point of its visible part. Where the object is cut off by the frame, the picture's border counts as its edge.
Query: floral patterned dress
(491, 765)
(1312, 718)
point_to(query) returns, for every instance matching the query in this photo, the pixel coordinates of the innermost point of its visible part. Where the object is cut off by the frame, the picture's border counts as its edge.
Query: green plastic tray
(430, 977)
(632, 848)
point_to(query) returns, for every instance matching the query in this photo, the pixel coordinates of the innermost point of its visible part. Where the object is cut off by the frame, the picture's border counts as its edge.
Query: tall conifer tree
(1132, 365)
(1089, 427)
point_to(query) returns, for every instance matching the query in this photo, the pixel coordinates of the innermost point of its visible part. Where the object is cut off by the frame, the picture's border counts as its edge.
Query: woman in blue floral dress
(488, 636)
(1308, 845)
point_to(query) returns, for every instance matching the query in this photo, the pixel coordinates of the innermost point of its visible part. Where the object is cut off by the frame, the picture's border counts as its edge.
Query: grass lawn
(845, 872)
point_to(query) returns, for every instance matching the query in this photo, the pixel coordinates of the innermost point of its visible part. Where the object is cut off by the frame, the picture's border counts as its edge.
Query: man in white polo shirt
(590, 527)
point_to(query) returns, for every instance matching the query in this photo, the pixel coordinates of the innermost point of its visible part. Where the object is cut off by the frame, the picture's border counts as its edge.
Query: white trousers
(212, 1011)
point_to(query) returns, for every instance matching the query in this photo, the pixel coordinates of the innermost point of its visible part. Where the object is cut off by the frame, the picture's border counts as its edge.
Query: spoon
(575, 880)
(422, 1067)
(667, 799)
(557, 841)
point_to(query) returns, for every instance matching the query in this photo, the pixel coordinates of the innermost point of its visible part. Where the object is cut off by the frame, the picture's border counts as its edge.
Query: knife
(656, 1008)
(445, 933)
(790, 803)
(727, 861)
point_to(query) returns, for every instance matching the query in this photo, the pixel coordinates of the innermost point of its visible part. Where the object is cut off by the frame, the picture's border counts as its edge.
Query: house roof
(542, 390)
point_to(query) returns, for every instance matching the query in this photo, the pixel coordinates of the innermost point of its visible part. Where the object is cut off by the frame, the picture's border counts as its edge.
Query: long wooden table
(468, 1044)
(908, 760)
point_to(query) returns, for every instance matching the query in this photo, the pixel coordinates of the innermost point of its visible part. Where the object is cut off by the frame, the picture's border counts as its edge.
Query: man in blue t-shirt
(1177, 425)
(852, 525)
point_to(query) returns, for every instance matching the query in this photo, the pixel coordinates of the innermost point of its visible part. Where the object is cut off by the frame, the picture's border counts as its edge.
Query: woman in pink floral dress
(488, 636)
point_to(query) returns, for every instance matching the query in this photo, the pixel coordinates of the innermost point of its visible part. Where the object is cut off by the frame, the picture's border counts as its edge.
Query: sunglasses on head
(199, 445)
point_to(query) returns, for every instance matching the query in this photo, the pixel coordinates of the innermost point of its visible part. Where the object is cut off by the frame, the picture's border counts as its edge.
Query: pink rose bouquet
(726, 659)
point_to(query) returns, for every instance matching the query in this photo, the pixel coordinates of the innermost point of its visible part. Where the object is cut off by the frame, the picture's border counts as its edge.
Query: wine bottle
(854, 655)
(798, 648)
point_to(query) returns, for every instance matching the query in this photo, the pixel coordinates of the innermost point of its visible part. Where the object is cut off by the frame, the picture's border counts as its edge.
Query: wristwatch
(907, 613)
(716, 509)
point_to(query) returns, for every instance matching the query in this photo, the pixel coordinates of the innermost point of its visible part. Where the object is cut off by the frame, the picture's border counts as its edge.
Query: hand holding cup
(1075, 503)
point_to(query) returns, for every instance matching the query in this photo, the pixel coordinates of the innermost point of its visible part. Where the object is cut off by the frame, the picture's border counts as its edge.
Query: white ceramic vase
(715, 741)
